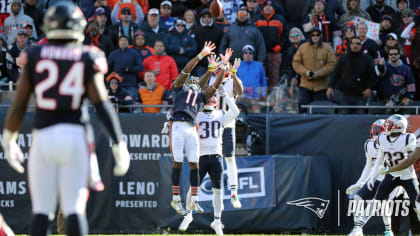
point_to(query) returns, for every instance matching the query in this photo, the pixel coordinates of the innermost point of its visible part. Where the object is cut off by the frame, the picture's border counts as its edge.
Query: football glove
(122, 158)
(235, 66)
(12, 151)
(353, 188)
(213, 63)
(165, 128)
(371, 183)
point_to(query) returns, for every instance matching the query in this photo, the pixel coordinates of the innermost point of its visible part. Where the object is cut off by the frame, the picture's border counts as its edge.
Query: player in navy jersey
(188, 100)
(60, 74)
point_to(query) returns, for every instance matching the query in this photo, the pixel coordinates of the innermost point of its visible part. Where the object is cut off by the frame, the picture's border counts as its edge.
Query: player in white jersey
(394, 146)
(210, 123)
(371, 147)
(233, 86)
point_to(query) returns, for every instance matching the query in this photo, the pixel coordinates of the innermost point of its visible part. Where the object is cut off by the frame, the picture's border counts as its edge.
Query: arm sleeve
(366, 171)
(233, 110)
(379, 162)
(406, 32)
(109, 118)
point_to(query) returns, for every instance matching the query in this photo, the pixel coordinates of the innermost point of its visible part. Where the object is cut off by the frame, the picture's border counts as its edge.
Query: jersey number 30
(70, 85)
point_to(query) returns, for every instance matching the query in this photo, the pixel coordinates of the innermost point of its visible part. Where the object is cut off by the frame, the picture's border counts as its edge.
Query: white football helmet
(395, 124)
(376, 128)
(211, 104)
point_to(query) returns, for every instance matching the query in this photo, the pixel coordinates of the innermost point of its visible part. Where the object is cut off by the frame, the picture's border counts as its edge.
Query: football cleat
(234, 199)
(196, 207)
(186, 222)
(178, 207)
(217, 226)
(357, 231)
(389, 233)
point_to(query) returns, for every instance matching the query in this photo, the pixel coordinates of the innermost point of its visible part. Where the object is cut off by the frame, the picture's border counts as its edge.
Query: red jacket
(167, 66)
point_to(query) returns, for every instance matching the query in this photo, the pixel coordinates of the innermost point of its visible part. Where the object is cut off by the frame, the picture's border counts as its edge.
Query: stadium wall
(310, 161)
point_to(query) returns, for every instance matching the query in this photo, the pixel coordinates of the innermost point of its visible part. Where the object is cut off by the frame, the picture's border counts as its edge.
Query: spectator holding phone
(313, 61)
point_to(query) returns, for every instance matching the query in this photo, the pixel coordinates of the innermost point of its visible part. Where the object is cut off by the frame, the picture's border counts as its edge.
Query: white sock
(387, 222)
(217, 203)
(176, 197)
(232, 173)
(194, 198)
(189, 195)
(356, 217)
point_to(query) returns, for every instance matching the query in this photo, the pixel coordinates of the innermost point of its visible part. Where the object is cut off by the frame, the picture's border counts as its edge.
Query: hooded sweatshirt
(14, 23)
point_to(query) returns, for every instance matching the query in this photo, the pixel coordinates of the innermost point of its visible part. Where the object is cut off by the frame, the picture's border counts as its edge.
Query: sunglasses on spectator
(252, 0)
(294, 35)
(394, 54)
(165, 7)
(180, 25)
(316, 35)
(247, 52)
(126, 13)
(113, 82)
(357, 43)
(390, 38)
(242, 13)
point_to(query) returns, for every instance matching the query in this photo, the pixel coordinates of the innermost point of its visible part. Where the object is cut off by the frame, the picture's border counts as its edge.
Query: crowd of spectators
(351, 52)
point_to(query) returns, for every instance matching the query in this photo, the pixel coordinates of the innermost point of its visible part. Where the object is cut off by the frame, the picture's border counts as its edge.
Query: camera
(311, 73)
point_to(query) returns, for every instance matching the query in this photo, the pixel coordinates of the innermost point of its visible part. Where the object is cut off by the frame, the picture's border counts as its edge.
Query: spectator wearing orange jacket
(274, 31)
(151, 93)
(162, 65)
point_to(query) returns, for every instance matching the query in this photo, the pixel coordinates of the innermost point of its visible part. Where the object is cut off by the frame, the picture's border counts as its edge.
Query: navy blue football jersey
(59, 75)
(188, 101)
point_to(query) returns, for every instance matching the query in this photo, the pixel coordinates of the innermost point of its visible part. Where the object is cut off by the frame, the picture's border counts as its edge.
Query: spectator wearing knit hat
(320, 19)
(274, 31)
(384, 30)
(140, 45)
(242, 33)
(392, 41)
(179, 45)
(348, 35)
(105, 25)
(116, 94)
(409, 31)
(353, 10)
(94, 37)
(379, 9)
(313, 61)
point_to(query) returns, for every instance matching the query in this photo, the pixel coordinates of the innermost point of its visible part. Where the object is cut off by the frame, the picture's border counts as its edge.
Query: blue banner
(256, 187)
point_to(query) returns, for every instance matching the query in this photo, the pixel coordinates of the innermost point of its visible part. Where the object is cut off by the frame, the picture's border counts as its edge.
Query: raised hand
(208, 48)
(225, 58)
(236, 65)
(213, 62)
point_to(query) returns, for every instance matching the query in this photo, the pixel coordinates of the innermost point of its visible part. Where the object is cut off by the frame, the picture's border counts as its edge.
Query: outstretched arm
(238, 88)
(211, 90)
(183, 76)
(415, 156)
(212, 67)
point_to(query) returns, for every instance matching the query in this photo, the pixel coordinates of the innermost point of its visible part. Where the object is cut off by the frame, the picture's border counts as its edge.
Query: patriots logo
(316, 205)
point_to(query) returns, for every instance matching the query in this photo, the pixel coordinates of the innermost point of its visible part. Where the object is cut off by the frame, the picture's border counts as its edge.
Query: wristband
(200, 56)
(182, 72)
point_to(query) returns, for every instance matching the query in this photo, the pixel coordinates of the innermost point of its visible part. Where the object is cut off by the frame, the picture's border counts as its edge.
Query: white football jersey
(371, 153)
(210, 129)
(396, 150)
(221, 103)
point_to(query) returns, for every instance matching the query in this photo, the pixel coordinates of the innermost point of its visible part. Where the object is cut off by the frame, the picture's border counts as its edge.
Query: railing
(311, 107)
